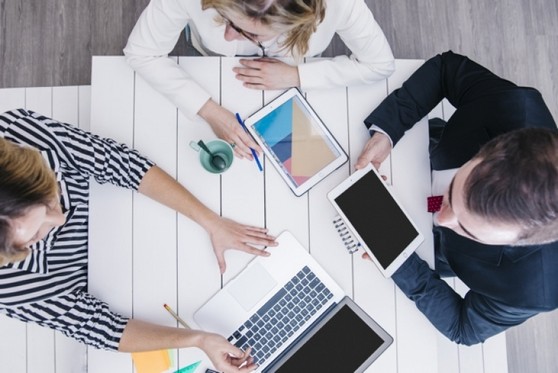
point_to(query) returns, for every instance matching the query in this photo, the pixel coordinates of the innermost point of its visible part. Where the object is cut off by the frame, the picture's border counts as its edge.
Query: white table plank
(84, 114)
(39, 99)
(243, 184)
(12, 98)
(110, 264)
(13, 344)
(325, 246)
(40, 341)
(65, 104)
(198, 273)
(284, 210)
(495, 354)
(470, 357)
(154, 239)
(374, 293)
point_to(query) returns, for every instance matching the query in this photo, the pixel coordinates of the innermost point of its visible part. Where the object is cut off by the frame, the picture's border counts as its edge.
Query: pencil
(177, 318)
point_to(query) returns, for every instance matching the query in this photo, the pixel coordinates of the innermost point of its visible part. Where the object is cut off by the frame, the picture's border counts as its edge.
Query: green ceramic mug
(219, 148)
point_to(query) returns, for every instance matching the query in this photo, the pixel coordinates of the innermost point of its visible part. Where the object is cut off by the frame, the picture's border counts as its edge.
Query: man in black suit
(497, 229)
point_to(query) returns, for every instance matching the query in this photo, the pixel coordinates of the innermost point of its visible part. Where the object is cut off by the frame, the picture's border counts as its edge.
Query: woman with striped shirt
(45, 168)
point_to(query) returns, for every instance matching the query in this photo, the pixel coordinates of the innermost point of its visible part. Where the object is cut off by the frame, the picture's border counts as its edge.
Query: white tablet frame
(298, 190)
(405, 253)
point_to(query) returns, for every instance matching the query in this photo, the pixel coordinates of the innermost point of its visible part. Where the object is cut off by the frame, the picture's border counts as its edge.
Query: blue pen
(254, 154)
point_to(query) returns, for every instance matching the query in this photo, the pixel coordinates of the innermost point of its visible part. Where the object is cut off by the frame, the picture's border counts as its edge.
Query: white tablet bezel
(298, 190)
(404, 254)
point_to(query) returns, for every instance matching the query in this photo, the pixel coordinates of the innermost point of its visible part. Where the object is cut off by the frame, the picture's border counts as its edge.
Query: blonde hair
(26, 181)
(298, 19)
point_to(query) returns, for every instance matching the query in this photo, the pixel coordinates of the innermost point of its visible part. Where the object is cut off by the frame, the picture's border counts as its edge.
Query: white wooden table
(143, 255)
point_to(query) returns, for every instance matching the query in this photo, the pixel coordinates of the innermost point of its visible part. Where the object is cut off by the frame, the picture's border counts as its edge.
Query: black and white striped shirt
(50, 286)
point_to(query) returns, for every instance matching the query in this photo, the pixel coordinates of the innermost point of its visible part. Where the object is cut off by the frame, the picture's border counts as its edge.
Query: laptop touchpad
(251, 286)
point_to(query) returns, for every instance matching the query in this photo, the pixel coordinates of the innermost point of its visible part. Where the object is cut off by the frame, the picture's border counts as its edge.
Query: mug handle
(194, 145)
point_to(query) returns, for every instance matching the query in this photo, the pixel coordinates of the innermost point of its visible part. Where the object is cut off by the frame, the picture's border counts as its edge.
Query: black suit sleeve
(448, 75)
(466, 320)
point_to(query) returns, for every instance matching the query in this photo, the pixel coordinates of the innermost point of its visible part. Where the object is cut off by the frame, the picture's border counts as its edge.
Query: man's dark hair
(516, 182)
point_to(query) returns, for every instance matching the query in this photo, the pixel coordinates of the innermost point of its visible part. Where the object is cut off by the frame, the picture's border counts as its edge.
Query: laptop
(293, 315)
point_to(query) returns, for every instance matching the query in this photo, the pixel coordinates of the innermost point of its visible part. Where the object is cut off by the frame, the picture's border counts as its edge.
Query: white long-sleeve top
(163, 21)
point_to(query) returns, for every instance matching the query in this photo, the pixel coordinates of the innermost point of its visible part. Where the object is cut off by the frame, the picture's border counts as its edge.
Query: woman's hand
(225, 125)
(224, 356)
(267, 73)
(227, 234)
(375, 151)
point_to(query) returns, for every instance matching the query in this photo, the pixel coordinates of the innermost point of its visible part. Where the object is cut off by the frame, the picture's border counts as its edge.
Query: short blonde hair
(26, 181)
(299, 19)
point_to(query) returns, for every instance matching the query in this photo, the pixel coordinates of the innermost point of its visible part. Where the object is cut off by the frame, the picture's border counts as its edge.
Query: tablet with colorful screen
(296, 141)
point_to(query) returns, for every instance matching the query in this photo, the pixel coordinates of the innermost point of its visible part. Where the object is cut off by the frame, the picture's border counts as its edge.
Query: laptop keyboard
(277, 320)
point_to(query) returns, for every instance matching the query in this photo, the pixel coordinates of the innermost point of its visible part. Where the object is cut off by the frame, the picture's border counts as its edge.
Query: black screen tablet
(376, 219)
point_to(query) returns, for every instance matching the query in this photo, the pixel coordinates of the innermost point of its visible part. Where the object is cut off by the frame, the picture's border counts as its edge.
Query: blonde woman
(45, 171)
(264, 28)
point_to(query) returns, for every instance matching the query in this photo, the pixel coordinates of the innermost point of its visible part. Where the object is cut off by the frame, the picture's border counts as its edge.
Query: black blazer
(487, 106)
(507, 284)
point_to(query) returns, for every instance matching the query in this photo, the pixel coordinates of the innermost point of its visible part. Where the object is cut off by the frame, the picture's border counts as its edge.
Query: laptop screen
(345, 337)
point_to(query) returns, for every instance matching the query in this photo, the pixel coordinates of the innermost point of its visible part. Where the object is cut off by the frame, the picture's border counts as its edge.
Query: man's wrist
(373, 129)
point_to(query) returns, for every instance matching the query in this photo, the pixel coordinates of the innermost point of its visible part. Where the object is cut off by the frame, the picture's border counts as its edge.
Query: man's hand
(226, 357)
(226, 127)
(375, 151)
(267, 73)
(227, 234)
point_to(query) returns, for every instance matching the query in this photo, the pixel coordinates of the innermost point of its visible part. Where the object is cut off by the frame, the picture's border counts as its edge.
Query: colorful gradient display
(295, 139)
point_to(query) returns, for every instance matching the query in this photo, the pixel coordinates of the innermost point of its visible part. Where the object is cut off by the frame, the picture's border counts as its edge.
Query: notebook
(372, 218)
(296, 141)
(293, 314)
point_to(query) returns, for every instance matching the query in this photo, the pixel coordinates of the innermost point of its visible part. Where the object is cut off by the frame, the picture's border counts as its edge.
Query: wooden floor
(50, 43)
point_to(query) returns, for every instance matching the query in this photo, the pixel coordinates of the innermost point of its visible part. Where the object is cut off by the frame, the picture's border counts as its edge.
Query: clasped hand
(267, 73)
(375, 151)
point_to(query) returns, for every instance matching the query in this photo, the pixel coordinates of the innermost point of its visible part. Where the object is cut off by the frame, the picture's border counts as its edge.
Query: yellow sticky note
(151, 361)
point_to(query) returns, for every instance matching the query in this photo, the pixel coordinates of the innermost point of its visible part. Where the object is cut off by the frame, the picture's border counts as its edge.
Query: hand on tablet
(226, 127)
(375, 151)
(267, 73)
(227, 234)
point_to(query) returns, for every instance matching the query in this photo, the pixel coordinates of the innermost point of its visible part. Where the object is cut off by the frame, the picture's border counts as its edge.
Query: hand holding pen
(254, 154)
(222, 353)
(225, 126)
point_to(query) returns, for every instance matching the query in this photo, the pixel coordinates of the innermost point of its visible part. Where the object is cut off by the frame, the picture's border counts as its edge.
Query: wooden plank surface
(117, 104)
(244, 192)
(112, 115)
